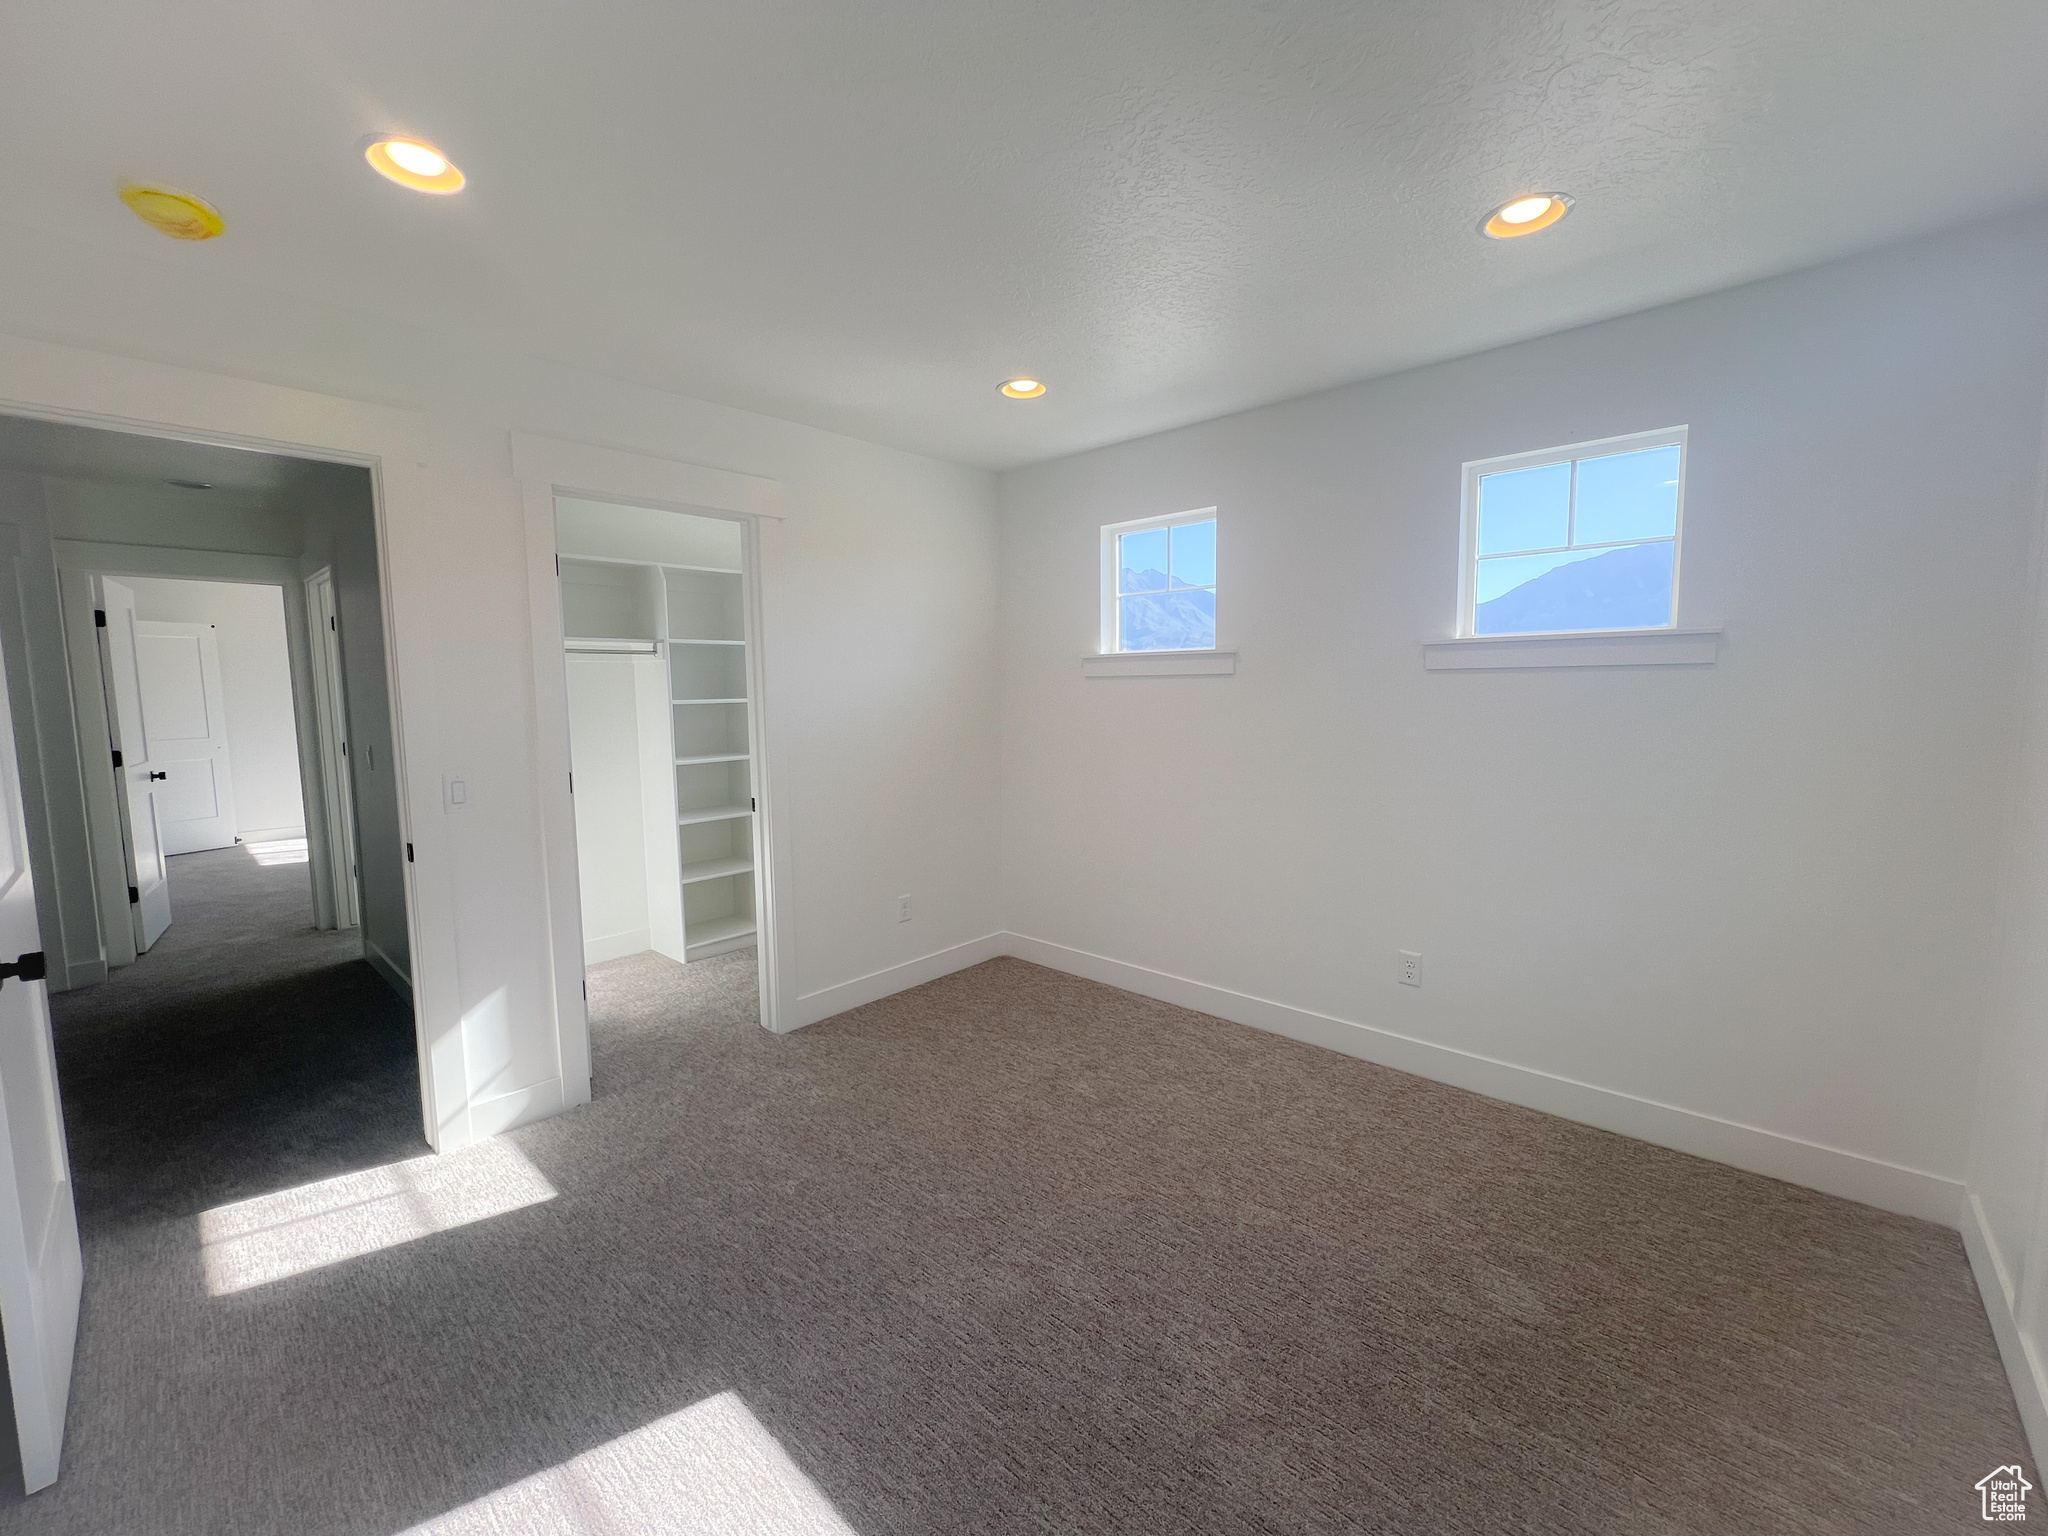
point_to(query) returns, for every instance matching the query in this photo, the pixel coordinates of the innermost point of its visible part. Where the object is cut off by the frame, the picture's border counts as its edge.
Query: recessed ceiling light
(191, 485)
(1526, 215)
(169, 211)
(1023, 389)
(413, 163)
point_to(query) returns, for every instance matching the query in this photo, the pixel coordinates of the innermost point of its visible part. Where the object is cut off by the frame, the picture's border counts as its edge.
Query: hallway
(246, 1052)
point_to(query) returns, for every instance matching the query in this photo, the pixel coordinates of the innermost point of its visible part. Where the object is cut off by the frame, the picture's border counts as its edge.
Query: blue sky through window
(1585, 544)
(1166, 586)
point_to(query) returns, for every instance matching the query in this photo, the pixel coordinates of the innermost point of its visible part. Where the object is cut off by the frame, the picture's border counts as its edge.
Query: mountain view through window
(1166, 588)
(1577, 545)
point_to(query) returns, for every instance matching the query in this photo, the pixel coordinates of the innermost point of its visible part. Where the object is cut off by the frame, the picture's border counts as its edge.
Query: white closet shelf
(686, 640)
(611, 645)
(714, 813)
(712, 869)
(708, 701)
(713, 757)
(718, 931)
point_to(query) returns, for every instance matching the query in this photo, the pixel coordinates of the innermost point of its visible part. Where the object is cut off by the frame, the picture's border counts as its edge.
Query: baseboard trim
(268, 834)
(522, 1106)
(82, 973)
(615, 946)
(1889, 1186)
(2022, 1365)
(394, 978)
(827, 1001)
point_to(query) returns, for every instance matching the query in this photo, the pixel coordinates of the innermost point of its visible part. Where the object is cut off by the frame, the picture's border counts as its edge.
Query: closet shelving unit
(695, 617)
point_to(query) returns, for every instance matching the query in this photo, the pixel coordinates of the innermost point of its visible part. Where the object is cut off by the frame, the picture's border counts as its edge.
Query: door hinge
(572, 783)
(117, 759)
(408, 853)
(332, 625)
(753, 804)
(134, 896)
(586, 991)
(29, 967)
(99, 618)
(558, 565)
(344, 749)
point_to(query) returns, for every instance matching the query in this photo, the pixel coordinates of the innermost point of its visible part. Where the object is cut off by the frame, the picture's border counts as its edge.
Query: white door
(149, 885)
(178, 670)
(40, 1264)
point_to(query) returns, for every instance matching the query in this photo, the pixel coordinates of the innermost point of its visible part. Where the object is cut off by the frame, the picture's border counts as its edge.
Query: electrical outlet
(902, 909)
(1411, 968)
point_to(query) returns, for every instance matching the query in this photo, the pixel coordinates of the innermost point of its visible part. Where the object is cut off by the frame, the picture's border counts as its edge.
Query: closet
(660, 735)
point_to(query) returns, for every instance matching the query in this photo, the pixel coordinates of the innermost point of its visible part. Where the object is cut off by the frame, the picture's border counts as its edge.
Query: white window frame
(1468, 542)
(1112, 637)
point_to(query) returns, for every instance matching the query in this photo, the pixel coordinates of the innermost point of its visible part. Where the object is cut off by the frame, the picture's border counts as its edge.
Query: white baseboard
(826, 1001)
(1888, 1186)
(382, 964)
(615, 946)
(522, 1106)
(268, 834)
(2022, 1366)
(80, 973)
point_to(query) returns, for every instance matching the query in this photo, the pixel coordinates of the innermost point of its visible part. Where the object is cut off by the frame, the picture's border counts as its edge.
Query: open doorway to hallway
(211, 812)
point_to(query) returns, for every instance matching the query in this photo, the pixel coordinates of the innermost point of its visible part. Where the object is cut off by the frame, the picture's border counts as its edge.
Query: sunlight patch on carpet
(282, 850)
(273, 1237)
(711, 1469)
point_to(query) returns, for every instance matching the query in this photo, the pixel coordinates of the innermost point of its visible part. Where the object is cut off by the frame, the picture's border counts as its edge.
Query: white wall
(611, 827)
(2005, 1224)
(256, 692)
(879, 600)
(1754, 895)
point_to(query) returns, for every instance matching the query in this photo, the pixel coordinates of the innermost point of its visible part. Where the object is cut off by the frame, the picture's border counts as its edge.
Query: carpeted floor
(1013, 1252)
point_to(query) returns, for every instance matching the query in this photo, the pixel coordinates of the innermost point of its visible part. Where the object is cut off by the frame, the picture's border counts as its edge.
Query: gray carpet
(1014, 1252)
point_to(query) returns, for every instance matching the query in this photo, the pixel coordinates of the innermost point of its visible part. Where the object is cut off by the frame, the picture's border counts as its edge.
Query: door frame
(79, 559)
(549, 467)
(150, 400)
(330, 736)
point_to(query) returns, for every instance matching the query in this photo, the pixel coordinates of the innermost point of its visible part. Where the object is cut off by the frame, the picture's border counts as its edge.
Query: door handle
(159, 775)
(29, 967)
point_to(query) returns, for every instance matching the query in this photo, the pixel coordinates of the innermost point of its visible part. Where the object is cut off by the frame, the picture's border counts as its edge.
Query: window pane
(1169, 621)
(1194, 555)
(1627, 496)
(1141, 561)
(1525, 509)
(1626, 588)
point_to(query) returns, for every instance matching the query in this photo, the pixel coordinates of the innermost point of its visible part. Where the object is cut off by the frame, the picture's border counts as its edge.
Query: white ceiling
(864, 216)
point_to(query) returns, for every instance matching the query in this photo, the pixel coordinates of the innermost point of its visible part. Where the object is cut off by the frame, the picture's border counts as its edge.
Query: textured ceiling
(865, 216)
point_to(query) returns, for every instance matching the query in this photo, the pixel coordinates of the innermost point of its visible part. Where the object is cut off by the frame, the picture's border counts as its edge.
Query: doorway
(174, 729)
(661, 664)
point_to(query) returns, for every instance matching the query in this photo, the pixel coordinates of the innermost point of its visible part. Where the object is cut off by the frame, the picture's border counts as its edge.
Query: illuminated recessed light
(1526, 215)
(413, 163)
(169, 211)
(1023, 389)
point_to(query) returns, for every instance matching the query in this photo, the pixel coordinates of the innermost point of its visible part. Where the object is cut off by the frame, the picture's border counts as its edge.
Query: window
(1574, 540)
(1159, 584)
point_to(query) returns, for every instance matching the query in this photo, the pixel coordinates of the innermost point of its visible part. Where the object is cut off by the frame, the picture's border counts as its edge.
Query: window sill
(1160, 664)
(1624, 648)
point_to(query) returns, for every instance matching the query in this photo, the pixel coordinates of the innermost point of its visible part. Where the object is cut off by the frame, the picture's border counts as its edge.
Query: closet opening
(664, 738)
